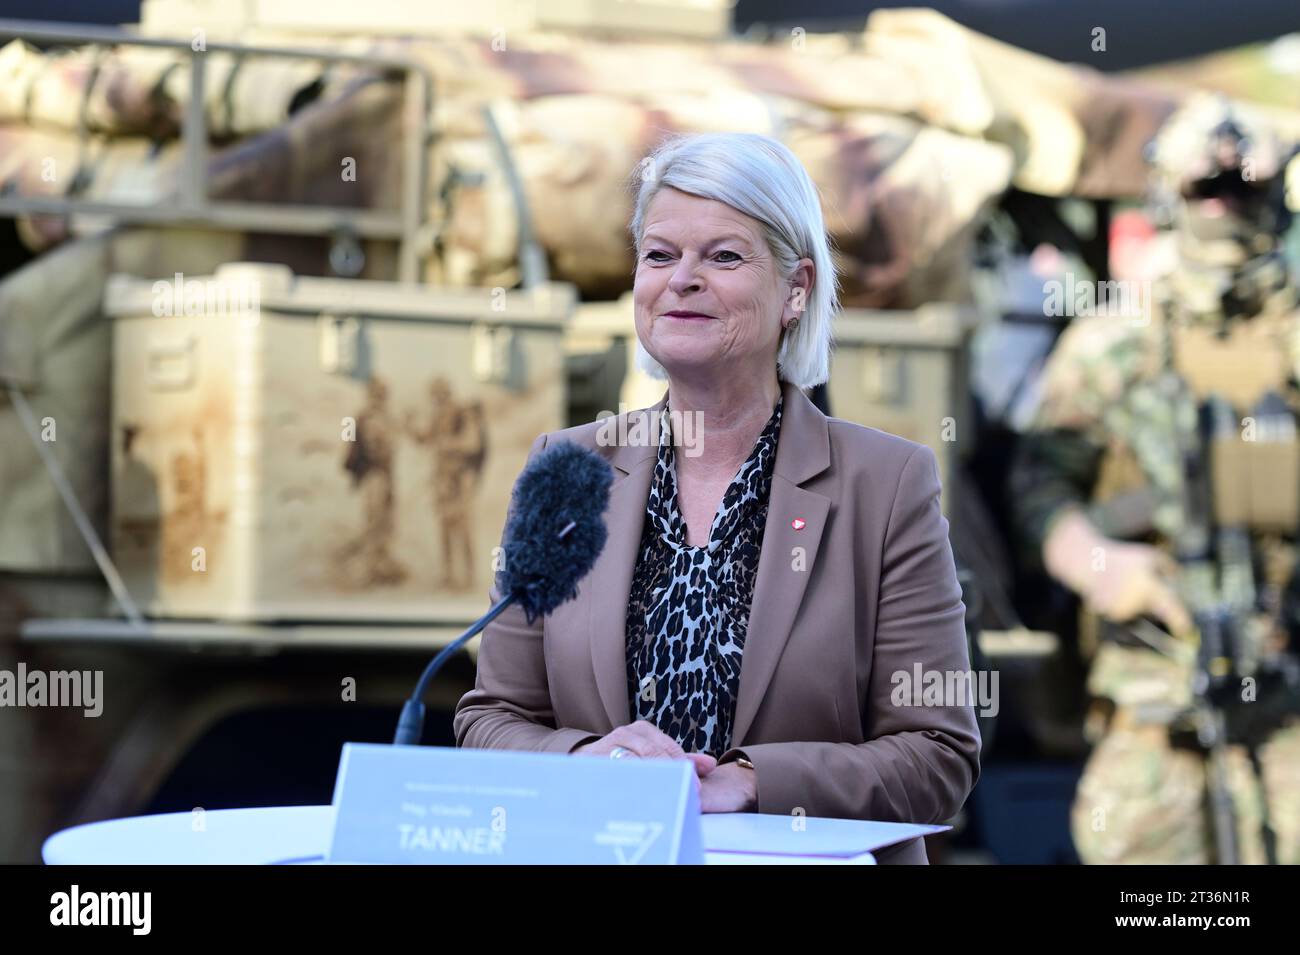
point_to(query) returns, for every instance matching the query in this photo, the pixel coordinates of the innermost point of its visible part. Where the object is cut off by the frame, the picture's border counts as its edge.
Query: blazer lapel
(610, 579)
(803, 451)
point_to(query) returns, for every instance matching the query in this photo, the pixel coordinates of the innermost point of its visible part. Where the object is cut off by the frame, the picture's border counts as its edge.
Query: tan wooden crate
(303, 448)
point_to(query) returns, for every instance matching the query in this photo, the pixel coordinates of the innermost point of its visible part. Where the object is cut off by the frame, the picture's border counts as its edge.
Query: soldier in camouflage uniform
(1102, 491)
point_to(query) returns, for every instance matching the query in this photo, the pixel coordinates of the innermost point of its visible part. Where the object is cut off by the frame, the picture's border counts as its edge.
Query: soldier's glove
(1117, 579)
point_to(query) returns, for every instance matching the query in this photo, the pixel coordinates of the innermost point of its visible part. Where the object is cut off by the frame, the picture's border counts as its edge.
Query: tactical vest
(1255, 466)
(1232, 400)
(1251, 372)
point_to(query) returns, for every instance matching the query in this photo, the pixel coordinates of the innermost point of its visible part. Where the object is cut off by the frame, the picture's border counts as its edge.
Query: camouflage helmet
(1210, 140)
(1218, 178)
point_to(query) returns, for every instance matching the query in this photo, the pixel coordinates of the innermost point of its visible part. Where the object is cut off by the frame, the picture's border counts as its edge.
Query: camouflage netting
(911, 130)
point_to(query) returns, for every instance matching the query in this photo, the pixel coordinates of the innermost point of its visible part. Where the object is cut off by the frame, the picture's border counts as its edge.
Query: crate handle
(882, 375)
(493, 349)
(340, 344)
(171, 362)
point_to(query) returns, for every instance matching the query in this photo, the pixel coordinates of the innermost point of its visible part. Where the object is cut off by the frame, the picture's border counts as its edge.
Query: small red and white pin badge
(798, 523)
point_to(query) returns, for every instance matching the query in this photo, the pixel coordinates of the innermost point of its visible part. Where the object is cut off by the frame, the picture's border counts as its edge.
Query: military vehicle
(286, 294)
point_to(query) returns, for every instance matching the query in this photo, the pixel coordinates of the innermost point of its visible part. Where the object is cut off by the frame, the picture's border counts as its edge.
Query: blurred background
(288, 288)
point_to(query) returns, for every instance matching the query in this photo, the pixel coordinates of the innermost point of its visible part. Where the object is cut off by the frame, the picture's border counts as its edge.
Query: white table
(300, 835)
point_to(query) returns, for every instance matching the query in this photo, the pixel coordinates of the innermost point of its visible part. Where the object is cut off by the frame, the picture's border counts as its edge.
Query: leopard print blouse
(688, 609)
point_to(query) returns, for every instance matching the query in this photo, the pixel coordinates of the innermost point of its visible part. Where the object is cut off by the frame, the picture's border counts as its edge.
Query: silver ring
(620, 752)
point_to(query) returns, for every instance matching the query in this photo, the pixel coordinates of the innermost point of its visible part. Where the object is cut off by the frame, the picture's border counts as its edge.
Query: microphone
(554, 533)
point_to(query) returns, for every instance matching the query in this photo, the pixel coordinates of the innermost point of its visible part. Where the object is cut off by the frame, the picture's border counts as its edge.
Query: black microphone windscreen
(564, 484)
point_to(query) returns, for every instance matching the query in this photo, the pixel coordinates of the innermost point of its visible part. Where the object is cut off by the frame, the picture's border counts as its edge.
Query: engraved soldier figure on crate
(1160, 481)
(369, 461)
(456, 433)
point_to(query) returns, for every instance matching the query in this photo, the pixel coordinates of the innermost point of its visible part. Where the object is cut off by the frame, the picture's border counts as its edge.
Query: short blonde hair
(762, 178)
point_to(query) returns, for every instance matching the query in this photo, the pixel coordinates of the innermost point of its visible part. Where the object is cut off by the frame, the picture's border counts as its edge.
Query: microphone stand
(410, 725)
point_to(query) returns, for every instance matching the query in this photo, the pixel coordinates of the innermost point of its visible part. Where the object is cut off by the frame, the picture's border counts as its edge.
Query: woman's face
(707, 293)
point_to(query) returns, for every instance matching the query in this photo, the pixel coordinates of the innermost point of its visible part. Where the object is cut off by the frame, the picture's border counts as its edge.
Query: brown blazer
(876, 593)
